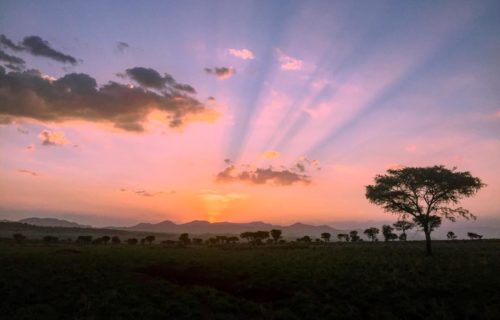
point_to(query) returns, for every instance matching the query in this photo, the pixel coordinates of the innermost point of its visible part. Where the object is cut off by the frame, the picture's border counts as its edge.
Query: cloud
(221, 73)
(270, 154)
(122, 46)
(7, 43)
(288, 63)
(145, 193)
(150, 78)
(28, 94)
(244, 54)
(39, 47)
(53, 138)
(11, 60)
(283, 177)
(28, 172)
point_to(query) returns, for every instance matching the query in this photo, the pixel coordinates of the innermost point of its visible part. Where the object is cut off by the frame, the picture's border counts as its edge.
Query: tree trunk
(428, 242)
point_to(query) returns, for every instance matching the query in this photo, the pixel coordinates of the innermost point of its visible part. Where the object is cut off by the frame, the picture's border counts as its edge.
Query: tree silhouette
(247, 236)
(425, 194)
(84, 239)
(326, 236)
(388, 234)
(106, 239)
(371, 233)
(150, 239)
(184, 239)
(115, 240)
(232, 239)
(343, 236)
(276, 234)
(132, 241)
(256, 237)
(197, 241)
(473, 235)
(18, 237)
(354, 236)
(451, 235)
(403, 226)
(260, 236)
(305, 239)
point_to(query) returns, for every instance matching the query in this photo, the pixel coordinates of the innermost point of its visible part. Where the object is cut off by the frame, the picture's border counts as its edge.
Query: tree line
(252, 237)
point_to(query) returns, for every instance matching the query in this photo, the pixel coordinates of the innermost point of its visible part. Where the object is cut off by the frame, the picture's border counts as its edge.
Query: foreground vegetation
(362, 280)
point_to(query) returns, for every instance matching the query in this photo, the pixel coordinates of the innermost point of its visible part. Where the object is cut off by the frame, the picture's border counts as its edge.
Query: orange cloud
(53, 138)
(244, 54)
(270, 154)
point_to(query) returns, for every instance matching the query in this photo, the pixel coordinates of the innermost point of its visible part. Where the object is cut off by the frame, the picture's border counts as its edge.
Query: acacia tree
(326, 236)
(184, 238)
(371, 233)
(354, 236)
(388, 234)
(427, 194)
(403, 226)
(276, 235)
(451, 235)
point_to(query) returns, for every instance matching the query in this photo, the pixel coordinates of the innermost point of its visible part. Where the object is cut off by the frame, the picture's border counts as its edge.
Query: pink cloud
(288, 63)
(244, 54)
(53, 138)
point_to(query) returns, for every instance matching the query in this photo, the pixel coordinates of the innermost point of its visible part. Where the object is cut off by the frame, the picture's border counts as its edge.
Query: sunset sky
(115, 112)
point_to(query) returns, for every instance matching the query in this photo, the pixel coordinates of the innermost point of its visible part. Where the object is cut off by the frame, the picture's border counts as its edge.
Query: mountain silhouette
(205, 227)
(52, 222)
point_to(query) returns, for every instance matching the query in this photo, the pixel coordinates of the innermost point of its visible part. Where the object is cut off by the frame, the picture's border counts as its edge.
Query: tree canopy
(427, 194)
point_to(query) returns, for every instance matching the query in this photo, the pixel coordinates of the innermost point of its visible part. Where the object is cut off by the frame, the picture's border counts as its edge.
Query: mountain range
(205, 227)
(52, 222)
(488, 228)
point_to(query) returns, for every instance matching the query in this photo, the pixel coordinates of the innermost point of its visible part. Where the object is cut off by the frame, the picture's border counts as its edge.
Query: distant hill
(7, 229)
(205, 227)
(52, 222)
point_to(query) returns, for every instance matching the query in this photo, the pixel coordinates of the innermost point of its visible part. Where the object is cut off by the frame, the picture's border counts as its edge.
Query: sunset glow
(241, 111)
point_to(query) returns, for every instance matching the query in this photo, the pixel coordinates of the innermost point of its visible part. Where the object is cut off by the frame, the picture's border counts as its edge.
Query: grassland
(336, 281)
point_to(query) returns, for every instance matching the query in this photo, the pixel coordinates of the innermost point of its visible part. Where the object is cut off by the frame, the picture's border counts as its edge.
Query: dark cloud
(13, 60)
(14, 67)
(29, 172)
(144, 193)
(6, 42)
(122, 46)
(147, 77)
(221, 73)
(77, 96)
(39, 47)
(281, 177)
(150, 78)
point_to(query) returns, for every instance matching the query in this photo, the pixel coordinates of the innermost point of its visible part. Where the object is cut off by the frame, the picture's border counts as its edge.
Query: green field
(336, 281)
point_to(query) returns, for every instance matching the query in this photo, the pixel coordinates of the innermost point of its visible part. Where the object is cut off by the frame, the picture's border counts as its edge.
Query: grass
(337, 281)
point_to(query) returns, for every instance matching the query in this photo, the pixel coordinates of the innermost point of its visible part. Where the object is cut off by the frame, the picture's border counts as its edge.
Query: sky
(115, 112)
